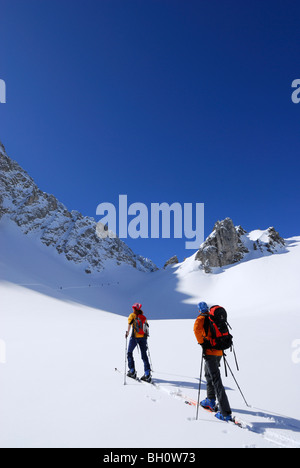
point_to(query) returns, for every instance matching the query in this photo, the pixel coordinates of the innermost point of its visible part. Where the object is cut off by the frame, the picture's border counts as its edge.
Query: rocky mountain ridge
(229, 244)
(73, 235)
(83, 241)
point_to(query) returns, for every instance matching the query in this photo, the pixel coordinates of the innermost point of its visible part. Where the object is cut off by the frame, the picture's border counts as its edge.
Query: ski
(137, 379)
(242, 424)
(189, 401)
(147, 382)
(235, 420)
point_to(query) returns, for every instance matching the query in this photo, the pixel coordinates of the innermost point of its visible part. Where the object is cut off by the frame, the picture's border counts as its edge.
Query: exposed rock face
(228, 244)
(172, 261)
(222, 247)
(73, 235)
(271, 242)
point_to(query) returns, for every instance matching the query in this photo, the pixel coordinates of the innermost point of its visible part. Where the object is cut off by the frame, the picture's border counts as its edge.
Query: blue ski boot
(220, 416)
(209, 404)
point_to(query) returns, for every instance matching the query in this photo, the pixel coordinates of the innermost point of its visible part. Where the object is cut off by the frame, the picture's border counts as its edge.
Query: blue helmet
(203, 307)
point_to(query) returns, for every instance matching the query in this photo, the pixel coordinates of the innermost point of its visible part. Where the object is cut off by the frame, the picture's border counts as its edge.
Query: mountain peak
(229, 244)
(70, 233)
(2, 149)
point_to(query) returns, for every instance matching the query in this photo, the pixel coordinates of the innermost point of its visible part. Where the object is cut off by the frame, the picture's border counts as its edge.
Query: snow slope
(63, 333)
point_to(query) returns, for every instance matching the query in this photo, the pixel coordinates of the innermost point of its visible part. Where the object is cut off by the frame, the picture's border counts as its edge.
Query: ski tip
(239, 423)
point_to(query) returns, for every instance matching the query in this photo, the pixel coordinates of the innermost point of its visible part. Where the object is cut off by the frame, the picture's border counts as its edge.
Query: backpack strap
(206, 324)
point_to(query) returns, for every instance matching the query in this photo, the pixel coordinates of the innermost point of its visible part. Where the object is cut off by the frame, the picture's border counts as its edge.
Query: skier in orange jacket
(212, 358)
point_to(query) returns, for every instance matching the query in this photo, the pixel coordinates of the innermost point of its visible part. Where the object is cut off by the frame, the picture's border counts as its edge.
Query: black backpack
(216, 322)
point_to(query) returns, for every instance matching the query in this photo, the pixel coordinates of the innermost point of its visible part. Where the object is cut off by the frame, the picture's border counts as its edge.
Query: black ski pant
(215, 387)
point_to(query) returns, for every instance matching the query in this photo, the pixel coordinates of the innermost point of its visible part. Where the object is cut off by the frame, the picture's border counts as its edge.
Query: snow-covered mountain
(62, 332)
(229, 244)
(73, 235)
(79, 239)
(59, 387)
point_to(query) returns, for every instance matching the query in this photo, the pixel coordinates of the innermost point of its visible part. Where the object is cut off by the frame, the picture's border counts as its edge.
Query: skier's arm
(130, 321)
(128, 330)
(198, 330)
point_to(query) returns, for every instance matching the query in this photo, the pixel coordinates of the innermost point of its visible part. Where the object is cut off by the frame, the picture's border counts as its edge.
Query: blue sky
(162, 100)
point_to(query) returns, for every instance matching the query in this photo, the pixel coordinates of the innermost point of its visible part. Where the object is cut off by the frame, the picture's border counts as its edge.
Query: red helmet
(137, 306)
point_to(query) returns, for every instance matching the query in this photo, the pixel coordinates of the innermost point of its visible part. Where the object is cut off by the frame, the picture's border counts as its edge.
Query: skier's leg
(213, 363)
(131, 347)
(210, 389)
(143, 348)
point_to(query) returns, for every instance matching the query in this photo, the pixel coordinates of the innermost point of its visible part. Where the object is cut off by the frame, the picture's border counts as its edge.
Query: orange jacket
(201, 335)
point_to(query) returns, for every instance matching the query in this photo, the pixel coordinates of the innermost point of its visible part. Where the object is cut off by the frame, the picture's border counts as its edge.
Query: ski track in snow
(259, 423)
(64, 333)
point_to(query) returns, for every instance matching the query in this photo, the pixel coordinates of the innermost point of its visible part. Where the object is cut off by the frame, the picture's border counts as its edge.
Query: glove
(204, 345)
(126, 334)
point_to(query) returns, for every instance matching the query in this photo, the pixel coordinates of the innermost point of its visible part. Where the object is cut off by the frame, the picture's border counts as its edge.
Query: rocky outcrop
(228, 244)
(73, 235)
(222, 247)
(172, 261)
(271, 241)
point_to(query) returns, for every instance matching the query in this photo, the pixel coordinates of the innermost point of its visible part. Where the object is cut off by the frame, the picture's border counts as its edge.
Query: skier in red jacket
(139, 324)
